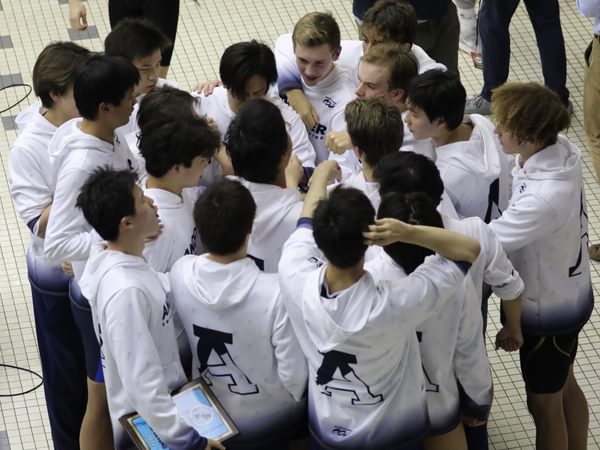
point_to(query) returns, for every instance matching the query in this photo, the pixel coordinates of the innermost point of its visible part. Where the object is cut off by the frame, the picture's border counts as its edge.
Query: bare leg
(576, 413)
(96, 429)
(548, 415)
(454, 439)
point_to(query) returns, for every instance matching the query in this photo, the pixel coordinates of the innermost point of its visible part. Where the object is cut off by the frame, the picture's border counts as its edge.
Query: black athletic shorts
(545, 361)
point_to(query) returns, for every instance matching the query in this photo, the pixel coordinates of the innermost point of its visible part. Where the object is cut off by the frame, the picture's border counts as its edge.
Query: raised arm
(288, 75)
(299, 102)
(301, 145)
(289, 81)
(324, 173)
(291, 363)
(452, 245)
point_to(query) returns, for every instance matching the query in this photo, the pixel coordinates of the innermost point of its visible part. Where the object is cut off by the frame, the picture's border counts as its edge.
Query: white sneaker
(468, 31)
(478, 105)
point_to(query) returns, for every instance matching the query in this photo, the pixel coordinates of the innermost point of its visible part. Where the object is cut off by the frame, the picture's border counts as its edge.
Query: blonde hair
(530, 111)
(316, 29)
(401, 64)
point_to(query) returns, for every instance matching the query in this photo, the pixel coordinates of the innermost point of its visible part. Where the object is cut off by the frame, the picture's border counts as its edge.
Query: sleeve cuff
(203, 443)
(510, 291)
(304, 222)
(33, 225)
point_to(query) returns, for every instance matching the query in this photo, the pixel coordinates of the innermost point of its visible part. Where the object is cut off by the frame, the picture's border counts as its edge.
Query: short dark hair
(394, 20)
(102, 79)
(55, 68)
(165, 143)
(256, 141)
(375, 127)
(224, 215)
(338, 224)
(416, 209)
(135, 38)
(440, 94)
(242, 61)
(105, 198)
(408, 172)
(165, 102)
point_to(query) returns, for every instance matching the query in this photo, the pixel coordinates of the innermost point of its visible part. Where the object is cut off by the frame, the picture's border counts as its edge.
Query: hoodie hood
(469, 154)
(25, 117)
(101, 262)
(223, 285)
(383, 267)
(274, 204)
(559, 161)
(69, 137)
(36, 131)
(358, 181)
(331, 321)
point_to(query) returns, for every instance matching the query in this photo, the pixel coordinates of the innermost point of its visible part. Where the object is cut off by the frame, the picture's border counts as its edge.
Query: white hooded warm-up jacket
(476, 172)
(366, 387)
(134, 325)
(544, 231)
(243, 344)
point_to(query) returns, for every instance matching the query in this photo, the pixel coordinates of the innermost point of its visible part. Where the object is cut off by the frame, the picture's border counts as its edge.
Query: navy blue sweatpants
(494, 21)
(61, 352)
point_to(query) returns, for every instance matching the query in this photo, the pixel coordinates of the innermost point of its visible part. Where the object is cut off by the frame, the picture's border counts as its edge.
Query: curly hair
(530, 111)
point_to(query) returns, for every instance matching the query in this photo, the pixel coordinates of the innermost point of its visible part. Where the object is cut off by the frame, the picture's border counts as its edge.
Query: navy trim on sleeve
(463, 265)
(308, 172)
(303, 185)
(288, 83)
(31, 224)
(304, 222)
(203, 442)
